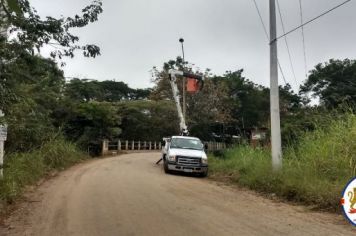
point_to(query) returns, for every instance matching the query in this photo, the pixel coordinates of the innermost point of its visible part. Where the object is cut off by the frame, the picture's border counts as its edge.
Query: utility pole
(181, 40)
(3, 128)
(3, 135)
(274, 92)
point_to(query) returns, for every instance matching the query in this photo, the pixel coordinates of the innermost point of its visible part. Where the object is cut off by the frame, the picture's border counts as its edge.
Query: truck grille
(191, 161)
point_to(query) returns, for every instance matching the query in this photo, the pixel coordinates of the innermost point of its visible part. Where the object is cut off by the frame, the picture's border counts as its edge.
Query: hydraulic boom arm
(173, 80)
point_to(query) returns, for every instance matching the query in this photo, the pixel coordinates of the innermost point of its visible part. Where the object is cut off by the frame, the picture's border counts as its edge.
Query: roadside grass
(315, 171)
(22, 169)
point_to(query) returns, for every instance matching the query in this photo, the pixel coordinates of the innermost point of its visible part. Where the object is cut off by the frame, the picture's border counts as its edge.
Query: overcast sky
(135, 35)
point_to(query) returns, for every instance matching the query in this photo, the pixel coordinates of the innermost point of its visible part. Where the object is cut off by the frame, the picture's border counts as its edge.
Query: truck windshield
(186, 143)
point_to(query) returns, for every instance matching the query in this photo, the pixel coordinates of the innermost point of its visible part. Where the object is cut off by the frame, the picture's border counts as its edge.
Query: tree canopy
(333, 83)
(29, 31)
(110, 91)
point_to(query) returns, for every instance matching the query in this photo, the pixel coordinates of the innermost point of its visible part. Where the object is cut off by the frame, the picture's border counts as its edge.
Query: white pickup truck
(185, 154)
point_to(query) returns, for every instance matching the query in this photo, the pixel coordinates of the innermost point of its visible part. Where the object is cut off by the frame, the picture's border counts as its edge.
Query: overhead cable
(303, 39)
(267, 36)
(287, 44)
(315, 18)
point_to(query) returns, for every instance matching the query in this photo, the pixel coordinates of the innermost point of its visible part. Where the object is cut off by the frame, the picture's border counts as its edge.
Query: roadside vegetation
(315, 170)
(26, 168)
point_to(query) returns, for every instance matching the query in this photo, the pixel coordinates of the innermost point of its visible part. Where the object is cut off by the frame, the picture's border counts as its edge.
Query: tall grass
(21, 169)
(314, 172)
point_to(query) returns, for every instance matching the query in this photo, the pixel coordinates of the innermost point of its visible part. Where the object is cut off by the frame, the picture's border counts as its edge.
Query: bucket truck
(183, 153)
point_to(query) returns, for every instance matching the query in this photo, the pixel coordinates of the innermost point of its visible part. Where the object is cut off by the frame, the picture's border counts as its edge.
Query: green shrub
(21, 169)
(314, 172)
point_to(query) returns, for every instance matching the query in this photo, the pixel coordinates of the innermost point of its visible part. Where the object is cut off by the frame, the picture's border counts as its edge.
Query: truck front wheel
(204, 174)
(165, 167)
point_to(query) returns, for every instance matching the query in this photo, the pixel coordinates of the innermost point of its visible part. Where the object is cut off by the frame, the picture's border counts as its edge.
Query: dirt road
(130, 195)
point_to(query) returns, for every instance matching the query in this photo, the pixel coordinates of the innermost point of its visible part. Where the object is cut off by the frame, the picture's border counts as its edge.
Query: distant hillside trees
(109, 91)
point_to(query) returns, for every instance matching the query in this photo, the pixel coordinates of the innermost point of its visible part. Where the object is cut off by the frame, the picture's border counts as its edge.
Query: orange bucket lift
(192, 85)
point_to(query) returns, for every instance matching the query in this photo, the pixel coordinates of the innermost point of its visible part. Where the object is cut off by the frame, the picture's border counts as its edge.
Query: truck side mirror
(206, 146)
(166, 140)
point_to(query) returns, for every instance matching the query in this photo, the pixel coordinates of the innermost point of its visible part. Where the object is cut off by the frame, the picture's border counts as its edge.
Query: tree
(208, 106)
(147, 120)
(91, 123)
(37, 84)
(81, 90)
(103, 91)
(29, 31)
(333, 83)
(160, 77)
(249, 102)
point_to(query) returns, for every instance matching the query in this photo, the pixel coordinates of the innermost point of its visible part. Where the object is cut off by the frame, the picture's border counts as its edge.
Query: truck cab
(184, 154)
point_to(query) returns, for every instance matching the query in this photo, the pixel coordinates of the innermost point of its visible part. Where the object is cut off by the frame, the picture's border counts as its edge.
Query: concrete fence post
(160, 145)
(155, 145)
(126, 145)
(139, 145)
(150, 147)
(105, 147)
(133, 145)
(119, 145)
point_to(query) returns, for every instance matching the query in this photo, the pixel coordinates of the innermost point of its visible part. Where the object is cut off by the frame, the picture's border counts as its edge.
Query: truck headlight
(204, 160)
(172, 158)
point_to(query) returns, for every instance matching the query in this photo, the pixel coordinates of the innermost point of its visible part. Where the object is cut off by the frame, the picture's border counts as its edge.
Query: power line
(261, 19)
(315, 18)
(268, 38)
(287, 45)
(303, 37)
(280, 68)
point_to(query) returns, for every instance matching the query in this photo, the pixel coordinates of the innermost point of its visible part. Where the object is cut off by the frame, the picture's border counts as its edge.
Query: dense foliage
(314, 172)
(333, 83)
(26, 168)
